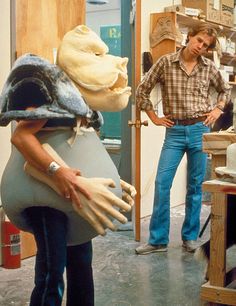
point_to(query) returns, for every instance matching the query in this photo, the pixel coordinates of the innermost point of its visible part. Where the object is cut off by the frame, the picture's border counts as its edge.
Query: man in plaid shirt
(186, 80)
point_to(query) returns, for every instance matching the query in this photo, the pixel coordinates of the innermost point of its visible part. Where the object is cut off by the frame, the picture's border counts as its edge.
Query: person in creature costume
(56, 148)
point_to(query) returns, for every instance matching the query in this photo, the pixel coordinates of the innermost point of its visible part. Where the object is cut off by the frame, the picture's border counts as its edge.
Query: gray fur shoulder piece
(34, 81)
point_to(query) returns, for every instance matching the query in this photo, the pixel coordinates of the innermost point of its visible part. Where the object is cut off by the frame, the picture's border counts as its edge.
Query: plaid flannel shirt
(183, 95)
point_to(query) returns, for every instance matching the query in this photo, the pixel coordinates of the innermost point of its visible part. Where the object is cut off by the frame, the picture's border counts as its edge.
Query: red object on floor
(10, 246)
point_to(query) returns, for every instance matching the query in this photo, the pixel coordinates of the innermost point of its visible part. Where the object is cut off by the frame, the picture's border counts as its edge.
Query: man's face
(199, 43)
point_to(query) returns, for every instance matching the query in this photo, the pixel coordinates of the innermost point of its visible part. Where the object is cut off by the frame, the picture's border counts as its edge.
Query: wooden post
(138, 118)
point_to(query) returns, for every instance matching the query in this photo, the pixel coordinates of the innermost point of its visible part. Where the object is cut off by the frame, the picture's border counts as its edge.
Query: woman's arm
(26, 142)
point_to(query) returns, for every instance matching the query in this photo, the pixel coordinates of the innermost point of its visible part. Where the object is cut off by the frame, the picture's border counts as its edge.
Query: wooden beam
(218, 295)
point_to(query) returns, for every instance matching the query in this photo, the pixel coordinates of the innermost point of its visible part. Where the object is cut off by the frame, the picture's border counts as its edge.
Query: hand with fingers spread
(90, 197)
(128, 192)
(163, 121)
(102, 207)
(97, 209)
(67, 184)
(212, 116)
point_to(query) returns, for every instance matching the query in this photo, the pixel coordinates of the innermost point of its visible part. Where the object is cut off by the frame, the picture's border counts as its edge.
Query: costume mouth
(115, 82)
(113, 99)
(120, 86)
(117, 88)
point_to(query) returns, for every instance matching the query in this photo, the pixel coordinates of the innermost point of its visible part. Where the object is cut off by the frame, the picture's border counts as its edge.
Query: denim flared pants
(53, 256)
(179, 140)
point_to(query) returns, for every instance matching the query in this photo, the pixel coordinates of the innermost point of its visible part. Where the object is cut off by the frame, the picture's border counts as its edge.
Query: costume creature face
(101, 78)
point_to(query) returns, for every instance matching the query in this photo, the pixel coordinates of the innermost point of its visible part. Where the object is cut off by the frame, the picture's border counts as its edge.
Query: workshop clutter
(220, 11)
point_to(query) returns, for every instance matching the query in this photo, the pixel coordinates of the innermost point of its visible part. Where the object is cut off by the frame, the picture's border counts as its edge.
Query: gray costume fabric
(87, 154)
(35, 81)
(33, 78)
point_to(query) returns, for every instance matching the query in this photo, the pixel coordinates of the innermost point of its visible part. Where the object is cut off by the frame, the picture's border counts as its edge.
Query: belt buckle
(177, 121)
(180, 122)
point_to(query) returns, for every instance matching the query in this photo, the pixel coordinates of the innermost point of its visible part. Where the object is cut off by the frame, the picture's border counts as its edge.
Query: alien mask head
(100, 77)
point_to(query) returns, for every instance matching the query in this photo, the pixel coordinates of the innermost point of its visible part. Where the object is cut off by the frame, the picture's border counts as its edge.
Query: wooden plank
(217, 161)
(217, 142)
(219, 186)
(217, 267)
(218, 295)
(40, 25)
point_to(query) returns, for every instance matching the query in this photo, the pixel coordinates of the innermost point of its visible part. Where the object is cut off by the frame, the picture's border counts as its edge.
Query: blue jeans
(53, 255)
(179, 140)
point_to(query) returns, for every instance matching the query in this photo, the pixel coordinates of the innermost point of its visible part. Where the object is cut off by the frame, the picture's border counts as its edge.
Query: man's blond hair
(205, 28)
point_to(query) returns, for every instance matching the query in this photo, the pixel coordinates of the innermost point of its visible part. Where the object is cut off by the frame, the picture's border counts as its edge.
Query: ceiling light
(97, 1)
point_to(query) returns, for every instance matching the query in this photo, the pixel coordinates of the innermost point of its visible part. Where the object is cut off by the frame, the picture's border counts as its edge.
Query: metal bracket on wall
(137, 123)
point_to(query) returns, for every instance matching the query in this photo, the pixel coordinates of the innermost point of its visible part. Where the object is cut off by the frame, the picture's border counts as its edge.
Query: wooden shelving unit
(183, 21)
(188, 21)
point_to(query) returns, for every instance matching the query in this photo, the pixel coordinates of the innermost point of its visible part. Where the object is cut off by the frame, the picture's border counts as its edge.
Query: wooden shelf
(184, 21)
(188, 21)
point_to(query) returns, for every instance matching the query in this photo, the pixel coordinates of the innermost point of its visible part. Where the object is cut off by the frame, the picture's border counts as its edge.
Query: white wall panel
(153, 136)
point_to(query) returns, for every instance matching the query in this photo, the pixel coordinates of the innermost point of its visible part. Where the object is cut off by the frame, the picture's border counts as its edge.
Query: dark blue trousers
(53, 256)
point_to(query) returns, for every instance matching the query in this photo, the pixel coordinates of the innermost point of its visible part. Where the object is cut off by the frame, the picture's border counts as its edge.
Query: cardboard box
(210, 8)
(217, 11)
(227, 13)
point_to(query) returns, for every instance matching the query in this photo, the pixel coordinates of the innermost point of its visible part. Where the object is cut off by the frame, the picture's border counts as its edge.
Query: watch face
(53, 167)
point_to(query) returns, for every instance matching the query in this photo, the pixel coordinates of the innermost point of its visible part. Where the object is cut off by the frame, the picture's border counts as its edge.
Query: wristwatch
(53, 167)
(220, 107)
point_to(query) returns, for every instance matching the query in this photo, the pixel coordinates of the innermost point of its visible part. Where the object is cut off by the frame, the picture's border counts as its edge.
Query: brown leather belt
(189, 121)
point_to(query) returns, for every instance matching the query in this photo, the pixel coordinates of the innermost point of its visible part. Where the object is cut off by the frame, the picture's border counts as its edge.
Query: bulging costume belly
(20, 191)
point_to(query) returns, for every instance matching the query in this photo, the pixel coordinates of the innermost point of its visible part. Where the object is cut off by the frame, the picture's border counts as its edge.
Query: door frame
(131, 156)
(138, 125)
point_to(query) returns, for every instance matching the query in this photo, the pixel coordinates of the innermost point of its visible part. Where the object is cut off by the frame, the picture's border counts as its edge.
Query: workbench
(215, 290)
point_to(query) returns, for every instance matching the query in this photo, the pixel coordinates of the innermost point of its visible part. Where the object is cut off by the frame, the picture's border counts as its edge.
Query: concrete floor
(123, 278)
